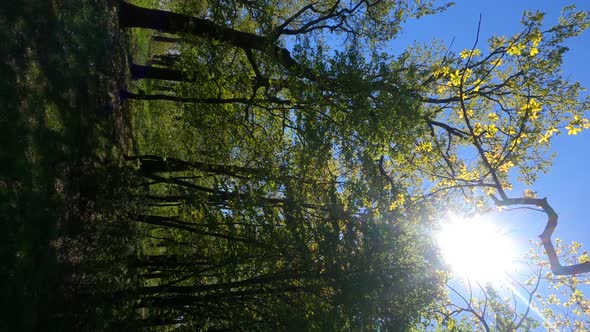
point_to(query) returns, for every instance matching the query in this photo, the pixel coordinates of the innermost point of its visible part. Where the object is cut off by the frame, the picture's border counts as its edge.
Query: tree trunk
(140, 72)
(194, 289)
(183, 300)
(165, 261)
(164, 87)
(165, 60)
(131, 16)
(155, 164)
(163, 39)
(179, 224)
(150, 164)
(135, 96)
(163, 199)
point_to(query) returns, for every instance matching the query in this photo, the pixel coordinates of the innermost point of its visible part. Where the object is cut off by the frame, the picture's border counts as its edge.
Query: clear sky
(567, 184)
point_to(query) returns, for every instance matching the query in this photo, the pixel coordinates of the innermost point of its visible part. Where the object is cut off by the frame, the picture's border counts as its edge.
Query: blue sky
(567, 184)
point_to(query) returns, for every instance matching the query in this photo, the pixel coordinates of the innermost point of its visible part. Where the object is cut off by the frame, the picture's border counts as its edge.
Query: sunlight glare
(476, 249)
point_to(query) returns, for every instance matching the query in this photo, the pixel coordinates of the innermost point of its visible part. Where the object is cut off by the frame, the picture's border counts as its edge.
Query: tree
(503, 106)
(289, 171)
(335, 79)
(246, 247)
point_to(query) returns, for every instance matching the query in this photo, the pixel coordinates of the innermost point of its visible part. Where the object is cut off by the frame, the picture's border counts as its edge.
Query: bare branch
(530, 299)
(292, 18)
(449, 129)
(384, 173)
(545, 237)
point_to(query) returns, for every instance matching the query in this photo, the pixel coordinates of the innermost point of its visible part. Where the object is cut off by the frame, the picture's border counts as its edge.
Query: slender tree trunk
(157, 73)
(174, 23)
(219, 197)
(135, 96)
(183, 300)
(193, 289)
(164, 204)
(163, 199)
(163, 39)
(165, 261)
(182, 183)
(155, 164)
(164, 62)
(164, 87)
(178, 224)
(167, 60)
(152, 320)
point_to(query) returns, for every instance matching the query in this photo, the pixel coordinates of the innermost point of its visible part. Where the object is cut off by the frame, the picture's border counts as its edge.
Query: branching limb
(530, 298)
(384, 173)
(545, 237)
(451, 130)
(470, 308)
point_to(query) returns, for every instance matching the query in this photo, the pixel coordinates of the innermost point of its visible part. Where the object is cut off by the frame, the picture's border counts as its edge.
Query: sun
(476, 249)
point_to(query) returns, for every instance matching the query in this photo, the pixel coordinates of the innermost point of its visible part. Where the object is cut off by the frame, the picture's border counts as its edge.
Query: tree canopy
(299, 165)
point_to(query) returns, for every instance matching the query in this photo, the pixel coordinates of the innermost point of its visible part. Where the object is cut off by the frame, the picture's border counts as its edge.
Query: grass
(148, 118)
(63, 131)
(139, 53)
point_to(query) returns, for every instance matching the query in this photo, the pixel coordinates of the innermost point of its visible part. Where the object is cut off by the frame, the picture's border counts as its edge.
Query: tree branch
(545, 237)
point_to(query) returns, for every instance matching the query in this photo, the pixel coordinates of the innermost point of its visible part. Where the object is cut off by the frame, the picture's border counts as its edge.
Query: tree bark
(194, 289)
(131, 16)
(157, 73)
(183, 300)
(217, 101)
(155, 164)
(164, 60)
(164, 87)
(545, 237)
(165, 261)
(163, 199)
(163, 39)
(178, 224)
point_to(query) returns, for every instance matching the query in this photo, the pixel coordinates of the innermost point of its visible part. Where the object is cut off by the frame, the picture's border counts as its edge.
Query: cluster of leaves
(499, 107)
(565, 305)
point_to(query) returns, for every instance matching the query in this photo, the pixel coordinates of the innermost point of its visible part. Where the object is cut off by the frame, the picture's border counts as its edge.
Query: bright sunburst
(476, 249)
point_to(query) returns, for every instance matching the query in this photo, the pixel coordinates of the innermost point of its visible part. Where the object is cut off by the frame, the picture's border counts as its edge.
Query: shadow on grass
(62, 132)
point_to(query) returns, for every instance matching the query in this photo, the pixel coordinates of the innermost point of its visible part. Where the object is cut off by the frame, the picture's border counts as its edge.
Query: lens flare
(476, 248)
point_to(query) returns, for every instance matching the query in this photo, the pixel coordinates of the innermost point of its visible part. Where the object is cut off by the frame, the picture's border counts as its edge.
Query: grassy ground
(63, 130)
(151, 119)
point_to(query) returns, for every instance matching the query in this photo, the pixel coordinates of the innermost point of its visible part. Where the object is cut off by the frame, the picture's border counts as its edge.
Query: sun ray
(530, 305)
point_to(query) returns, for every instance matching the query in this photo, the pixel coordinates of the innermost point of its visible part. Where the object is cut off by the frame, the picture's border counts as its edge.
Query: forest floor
(63, 130)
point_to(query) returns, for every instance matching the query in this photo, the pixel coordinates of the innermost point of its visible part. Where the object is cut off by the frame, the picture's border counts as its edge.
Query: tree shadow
(63, 131)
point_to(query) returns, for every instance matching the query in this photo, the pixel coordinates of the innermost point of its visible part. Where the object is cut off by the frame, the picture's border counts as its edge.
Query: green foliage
(316, 170)
(272, 209)
(502, 105)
